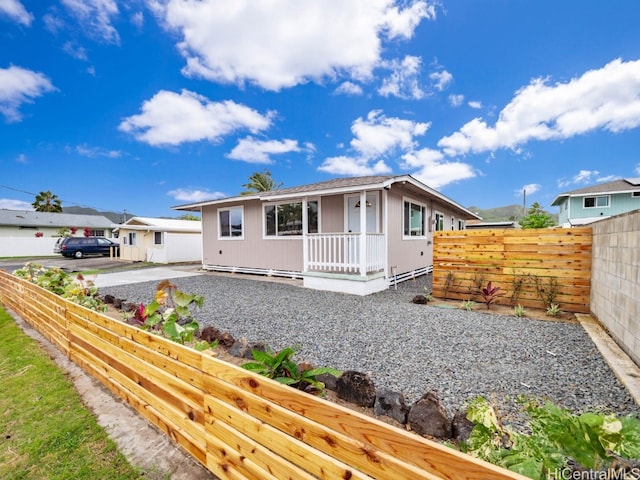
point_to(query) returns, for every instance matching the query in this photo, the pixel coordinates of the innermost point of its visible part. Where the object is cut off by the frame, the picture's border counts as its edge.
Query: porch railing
(341, 252)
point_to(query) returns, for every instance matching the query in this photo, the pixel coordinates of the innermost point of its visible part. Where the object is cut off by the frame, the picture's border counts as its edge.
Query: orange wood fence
(238, 424)
(518, 261)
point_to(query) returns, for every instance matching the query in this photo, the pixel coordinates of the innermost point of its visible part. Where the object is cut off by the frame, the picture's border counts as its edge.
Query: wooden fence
(520, 262)
(238, 424)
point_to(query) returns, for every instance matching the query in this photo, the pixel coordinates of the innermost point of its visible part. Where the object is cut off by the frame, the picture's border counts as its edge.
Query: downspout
(305, 238)
(363, 233)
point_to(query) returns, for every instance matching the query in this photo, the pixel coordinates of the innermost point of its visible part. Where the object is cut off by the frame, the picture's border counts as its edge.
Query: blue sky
(144, 104)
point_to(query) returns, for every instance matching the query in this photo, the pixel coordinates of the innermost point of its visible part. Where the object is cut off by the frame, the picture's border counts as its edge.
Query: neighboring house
(354, 235)
(30, 233)
(587, 205)
(477, 225)
(160, 240)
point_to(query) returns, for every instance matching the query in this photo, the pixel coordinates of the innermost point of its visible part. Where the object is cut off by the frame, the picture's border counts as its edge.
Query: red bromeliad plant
(489, 294)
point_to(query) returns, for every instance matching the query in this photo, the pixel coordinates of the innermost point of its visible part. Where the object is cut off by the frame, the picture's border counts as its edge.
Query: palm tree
(47, 202)
(260, 182)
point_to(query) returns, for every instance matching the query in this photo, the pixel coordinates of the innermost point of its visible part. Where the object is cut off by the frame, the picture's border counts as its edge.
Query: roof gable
(622, 185)
(162, 224)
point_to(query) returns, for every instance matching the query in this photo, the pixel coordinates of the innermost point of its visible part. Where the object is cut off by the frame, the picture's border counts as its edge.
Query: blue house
(586, 205)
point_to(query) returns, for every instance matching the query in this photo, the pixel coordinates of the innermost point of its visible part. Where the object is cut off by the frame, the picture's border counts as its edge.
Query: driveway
(67, 264)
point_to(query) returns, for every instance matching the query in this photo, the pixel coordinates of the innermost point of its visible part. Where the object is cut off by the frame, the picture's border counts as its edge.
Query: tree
(47, 202)
(260, 182)
(189, 216)
(536, 218)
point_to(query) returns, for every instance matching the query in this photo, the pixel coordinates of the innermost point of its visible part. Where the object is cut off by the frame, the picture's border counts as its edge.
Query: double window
(285, 219)
(438, 222)
(414, 219)
(596, 202)
(231, 222)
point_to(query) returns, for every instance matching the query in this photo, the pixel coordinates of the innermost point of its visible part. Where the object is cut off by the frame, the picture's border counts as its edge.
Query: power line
(63, 201)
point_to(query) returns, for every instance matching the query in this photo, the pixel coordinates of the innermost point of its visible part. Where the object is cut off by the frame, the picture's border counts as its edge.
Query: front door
(353, 213)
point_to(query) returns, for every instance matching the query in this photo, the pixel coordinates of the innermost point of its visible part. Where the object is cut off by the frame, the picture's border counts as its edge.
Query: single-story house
(354, 235)
(476, 225)
(30, 233)
(160, 240)
(597, 202)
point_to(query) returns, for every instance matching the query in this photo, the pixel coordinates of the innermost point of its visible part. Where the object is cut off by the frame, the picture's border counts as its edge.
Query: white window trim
(435, 221)
(287, 202)
(635, 194)
(161, 239)
(584, 199)
(226, 209)
(425, 219)
(369, 194)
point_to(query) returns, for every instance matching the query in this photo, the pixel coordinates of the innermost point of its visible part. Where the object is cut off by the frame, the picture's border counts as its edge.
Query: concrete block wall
(615, 279)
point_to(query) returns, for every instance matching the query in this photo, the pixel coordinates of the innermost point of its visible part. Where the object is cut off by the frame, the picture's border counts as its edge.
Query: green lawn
(46, 432)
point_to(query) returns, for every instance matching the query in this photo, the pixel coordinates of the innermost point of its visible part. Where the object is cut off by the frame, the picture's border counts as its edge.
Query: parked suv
(78, 247)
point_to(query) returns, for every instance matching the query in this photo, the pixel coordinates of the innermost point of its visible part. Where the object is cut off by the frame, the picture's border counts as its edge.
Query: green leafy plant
(281, 367)
(519, 311)
(428, 295)
(559, 440)
(202, 345)
(468, 305)
(170, 313)
(553, 310)
(517, 284)
(77, 289)
(449, 281)
(489, 294)
(547, 291)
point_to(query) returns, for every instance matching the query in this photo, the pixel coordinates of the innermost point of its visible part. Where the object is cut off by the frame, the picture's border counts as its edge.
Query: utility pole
(524, 202)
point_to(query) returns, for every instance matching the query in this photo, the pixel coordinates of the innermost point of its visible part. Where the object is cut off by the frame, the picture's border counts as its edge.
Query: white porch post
(305, 239)
(363, 233)
(385, 227)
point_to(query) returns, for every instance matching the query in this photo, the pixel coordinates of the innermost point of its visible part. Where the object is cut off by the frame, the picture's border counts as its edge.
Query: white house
(28, 233)
(160, 240)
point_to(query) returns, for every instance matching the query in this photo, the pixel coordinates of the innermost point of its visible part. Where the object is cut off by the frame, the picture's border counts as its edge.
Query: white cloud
(441, 79)
(194, 195)
(349, 88)
(16, 11)
(608, 178)
(22, 158)
(607, 98)
(284, 43)
(95, 17)
(583, 177)
(75, 51)
(353, 166)
(137, 19)
(378, 135)
(252, 150)
(475, 104)
(637, 169)
(11, 204)
(530, 189)
(170, 118)
(92, 152)
(456, 100)
(18, 86)
(403, 81)
(433, 170)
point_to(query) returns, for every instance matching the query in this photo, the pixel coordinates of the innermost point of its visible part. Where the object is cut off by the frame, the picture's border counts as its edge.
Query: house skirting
(333, 282)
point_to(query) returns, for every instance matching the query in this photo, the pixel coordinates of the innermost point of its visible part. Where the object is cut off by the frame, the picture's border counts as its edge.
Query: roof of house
(332, 187)
(29, 218)
(162, 225)
(622, 185)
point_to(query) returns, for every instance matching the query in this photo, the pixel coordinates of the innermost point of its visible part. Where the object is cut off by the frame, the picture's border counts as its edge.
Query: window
(231, 222)
(596, 202)
(96, 233)
(132, 239)
(453, 222)
(635, 194)
(460, 224)
(414, 216)
(157, 238)
(285, 220)
(439, 222)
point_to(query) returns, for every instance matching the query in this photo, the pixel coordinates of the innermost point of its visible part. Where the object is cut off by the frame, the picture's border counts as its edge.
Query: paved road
(67, 264)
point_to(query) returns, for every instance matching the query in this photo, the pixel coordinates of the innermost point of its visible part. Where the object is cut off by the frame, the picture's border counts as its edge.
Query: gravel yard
(410, 348)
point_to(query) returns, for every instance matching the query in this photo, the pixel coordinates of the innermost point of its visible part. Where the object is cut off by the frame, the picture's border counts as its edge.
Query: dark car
(78, 247)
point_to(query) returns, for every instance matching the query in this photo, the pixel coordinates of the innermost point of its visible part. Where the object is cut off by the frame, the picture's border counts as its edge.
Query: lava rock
(428, 417)
(391, 404)
(357, 388)
(420, 300)
(461, 427)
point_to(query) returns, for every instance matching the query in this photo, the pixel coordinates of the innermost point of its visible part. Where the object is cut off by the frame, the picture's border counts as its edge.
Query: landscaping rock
(117, 303)
(330, 381)
(242, 349)
(428, 417)
(420, 299)
(212, 334)
(461, 427)
(357, 388)
(108, 299)
(391, 404)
